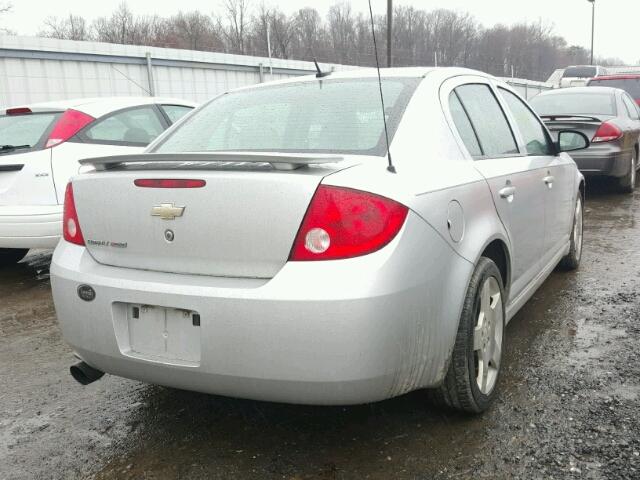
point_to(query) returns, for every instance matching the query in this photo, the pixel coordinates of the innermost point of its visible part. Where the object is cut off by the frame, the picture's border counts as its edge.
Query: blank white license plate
(164, 333)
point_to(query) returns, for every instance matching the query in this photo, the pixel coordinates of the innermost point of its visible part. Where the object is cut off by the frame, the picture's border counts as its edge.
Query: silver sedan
(270, 246)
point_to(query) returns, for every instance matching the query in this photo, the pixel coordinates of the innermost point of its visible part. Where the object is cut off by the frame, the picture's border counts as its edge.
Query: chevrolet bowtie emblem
(167, 211)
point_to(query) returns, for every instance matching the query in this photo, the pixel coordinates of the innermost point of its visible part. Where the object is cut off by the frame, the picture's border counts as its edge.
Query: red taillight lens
(169, 183)
(607, 132)
(70, 224)
(70, 123)
(345, 223)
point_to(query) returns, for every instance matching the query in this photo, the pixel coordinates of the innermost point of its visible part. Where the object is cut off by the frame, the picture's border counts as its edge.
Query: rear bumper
(338, 332)
(30, 226)
(608, 160)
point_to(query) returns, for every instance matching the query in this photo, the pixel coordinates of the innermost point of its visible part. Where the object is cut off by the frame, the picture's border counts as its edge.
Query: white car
(40, 148)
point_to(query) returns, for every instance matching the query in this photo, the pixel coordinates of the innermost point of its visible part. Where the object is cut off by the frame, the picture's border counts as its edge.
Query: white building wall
(43, 69)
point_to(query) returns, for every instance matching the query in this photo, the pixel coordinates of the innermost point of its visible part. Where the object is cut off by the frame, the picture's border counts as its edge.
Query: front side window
(533, 133)
(328, 116)
(176, 112)
(136, 126)
(489, 121)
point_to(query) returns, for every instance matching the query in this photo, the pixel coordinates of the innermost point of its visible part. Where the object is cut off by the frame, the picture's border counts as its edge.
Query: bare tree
(236, 24)
(420, 37)
(5, 7)
(73, 27)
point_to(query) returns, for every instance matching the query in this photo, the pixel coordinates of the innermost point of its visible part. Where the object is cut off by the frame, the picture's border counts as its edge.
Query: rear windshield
(630, 85)
(580, 72)
(574, 104)
(26, 129)
(328, 116)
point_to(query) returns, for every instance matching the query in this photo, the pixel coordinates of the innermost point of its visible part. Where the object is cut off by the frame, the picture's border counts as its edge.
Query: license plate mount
(163, 334)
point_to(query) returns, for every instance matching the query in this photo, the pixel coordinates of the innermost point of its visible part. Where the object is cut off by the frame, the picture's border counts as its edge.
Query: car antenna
(390, 167)
(320, 73)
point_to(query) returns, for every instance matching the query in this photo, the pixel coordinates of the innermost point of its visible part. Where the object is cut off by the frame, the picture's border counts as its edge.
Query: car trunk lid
(241, 223)
(586, 124)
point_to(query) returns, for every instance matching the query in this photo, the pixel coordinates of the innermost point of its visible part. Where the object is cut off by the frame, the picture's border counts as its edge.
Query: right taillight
(345, 223)
(607, 132)
(71, 230)
(70, 123)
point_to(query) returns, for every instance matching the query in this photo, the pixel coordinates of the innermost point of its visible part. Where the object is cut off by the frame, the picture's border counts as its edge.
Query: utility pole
(593, 26)
(389, 32)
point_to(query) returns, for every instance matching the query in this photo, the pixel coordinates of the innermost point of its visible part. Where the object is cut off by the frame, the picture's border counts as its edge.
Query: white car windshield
(324, 116)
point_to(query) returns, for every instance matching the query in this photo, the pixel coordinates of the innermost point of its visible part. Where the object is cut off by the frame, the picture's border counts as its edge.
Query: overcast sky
(617, 21)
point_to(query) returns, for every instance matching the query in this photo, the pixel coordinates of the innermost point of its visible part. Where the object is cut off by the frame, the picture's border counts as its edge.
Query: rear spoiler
(279, 161)
(553, 118)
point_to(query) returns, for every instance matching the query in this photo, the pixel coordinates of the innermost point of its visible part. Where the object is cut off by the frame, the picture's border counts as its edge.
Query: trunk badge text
(167, 211)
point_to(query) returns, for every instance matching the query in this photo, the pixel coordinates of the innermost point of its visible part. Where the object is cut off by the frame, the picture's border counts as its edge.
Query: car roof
(620, 76)
(587, 90)
(367, 72)
(99, 106)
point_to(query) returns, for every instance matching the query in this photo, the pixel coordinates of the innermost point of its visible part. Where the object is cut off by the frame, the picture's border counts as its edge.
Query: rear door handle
(548, 180)
(508, 193)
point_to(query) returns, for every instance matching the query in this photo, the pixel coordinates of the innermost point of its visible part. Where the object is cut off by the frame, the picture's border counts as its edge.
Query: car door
(557, 174)
(513, 177)
(124, 131)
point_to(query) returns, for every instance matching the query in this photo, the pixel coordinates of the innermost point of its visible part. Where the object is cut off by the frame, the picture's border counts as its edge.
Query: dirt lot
(569, 405)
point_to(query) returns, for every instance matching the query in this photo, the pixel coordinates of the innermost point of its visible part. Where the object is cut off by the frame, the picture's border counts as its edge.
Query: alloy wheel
(487, 336)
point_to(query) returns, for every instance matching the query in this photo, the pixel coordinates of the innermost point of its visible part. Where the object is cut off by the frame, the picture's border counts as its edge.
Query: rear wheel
(470, 383)
(11, 256)
(572, 260)
(628, 182)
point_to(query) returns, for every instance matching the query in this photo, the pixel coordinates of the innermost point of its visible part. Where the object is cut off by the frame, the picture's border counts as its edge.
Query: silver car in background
(609, 117)
(263, 249)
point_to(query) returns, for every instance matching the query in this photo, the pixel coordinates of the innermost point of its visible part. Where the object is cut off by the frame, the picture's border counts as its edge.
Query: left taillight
(607, 132)
(70, 123)
(344, 223)
(71, 230)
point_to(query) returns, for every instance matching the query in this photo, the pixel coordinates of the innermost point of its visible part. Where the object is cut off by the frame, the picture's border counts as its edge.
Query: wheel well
(497, 251)
(581, 188)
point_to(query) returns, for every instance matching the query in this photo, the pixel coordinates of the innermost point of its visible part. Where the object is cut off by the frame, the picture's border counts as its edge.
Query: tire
(572, 260)
(11, 256)
(465, 388)
(628, 182)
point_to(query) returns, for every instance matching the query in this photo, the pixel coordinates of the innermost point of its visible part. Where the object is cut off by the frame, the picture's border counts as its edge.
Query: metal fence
(42, 69)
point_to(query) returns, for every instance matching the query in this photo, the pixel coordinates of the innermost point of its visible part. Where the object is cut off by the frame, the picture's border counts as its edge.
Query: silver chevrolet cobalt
(268, 247)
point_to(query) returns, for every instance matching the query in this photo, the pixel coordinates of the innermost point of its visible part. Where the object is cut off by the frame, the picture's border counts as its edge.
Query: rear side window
(175, 112)
(629, 85)
(27, 129)
(463, 125)
(134, 126)
(489, 121)
(533, 133)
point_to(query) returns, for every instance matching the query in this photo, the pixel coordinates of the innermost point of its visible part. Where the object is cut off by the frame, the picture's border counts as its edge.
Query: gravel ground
(568, 407)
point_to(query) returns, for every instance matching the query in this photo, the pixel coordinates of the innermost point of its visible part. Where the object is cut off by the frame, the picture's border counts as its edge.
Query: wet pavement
(569, 403)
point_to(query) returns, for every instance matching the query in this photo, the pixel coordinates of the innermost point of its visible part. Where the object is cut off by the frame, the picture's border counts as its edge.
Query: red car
(628, 82)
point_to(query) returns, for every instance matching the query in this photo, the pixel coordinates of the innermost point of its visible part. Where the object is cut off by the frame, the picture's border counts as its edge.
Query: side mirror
(572, 140)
